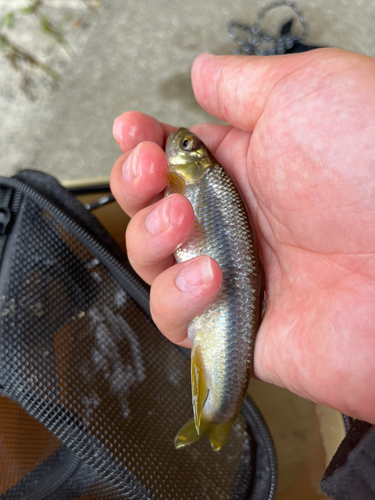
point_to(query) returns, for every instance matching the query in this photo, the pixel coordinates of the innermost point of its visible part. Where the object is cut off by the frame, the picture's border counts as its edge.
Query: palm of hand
(308, 163)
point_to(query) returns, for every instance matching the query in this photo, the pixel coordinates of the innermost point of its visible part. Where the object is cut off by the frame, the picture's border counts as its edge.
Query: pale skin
(301, 148)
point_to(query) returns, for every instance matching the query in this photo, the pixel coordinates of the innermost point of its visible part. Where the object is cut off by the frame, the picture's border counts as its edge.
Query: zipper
(5, 216)
(126, 280)
(5, 196)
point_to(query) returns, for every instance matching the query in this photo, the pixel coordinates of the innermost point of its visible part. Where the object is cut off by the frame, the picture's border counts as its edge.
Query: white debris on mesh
(111, 330)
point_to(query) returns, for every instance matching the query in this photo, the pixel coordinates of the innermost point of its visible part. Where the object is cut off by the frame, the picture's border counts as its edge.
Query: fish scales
(225, 332)
(222, 231)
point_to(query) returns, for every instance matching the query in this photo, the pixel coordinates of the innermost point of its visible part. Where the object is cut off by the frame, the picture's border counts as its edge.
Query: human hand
(301, 148)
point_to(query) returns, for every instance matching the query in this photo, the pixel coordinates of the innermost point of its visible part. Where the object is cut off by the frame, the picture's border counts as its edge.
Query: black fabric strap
(351, 472)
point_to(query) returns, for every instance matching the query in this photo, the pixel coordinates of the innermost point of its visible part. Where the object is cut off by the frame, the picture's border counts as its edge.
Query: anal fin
(198, 386)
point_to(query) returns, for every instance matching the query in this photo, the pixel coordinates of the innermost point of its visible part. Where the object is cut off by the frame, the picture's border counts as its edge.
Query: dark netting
(78, 355)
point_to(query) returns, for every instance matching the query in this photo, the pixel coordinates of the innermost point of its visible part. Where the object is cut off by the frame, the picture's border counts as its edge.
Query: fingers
(139, 176)
(133, 127)
(155, 232)
(179, 292)
(236, 88)
(182, 292)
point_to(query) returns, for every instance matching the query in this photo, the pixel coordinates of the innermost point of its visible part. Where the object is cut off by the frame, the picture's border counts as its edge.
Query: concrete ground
(136, 55)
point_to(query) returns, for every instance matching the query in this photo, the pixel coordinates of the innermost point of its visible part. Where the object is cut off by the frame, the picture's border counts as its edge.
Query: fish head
(187, 156)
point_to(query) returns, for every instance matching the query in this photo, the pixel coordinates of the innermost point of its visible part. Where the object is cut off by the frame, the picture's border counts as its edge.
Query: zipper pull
(5, 196)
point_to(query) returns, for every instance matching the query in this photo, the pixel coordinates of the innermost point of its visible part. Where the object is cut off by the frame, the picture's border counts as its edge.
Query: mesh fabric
(90, 388)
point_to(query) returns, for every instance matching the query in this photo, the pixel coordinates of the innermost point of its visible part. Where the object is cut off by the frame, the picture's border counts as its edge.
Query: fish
(223, 336)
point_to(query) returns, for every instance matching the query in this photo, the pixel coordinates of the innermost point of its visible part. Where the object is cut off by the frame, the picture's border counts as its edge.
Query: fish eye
(188, 144)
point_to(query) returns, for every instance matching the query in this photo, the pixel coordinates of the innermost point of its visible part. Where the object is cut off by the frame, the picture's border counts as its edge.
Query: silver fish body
(223, 335)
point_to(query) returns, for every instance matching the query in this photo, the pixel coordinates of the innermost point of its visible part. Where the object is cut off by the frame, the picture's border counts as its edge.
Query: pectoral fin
(176, 183)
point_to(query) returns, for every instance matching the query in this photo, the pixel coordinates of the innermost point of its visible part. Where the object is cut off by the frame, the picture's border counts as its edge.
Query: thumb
(236, 89)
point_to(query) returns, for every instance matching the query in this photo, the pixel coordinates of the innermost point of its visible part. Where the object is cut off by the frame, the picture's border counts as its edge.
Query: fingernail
(130, 168)
(157, 221)
(194, 275)
(117, 130)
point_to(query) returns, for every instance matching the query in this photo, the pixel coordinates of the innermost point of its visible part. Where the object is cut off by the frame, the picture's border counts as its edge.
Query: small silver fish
(223, 335)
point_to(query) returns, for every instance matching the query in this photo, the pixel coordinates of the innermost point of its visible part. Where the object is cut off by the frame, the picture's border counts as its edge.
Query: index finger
(134, 127)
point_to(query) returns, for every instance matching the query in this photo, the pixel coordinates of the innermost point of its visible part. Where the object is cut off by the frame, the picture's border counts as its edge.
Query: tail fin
(195, 428)
(217, 434)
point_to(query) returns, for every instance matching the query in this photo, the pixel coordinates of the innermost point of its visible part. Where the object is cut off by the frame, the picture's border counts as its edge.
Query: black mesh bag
(91, 394)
